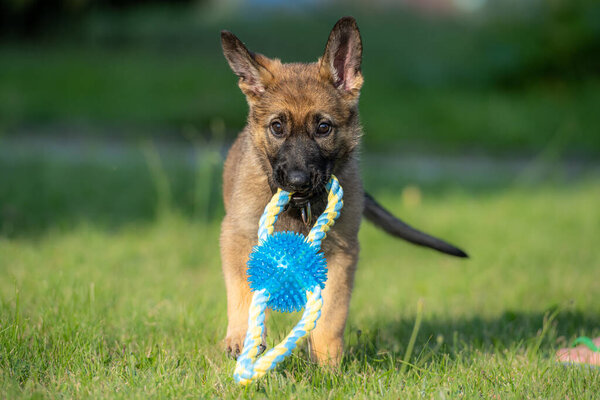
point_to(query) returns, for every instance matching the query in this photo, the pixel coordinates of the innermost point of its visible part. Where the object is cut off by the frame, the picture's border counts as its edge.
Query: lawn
(122, 296)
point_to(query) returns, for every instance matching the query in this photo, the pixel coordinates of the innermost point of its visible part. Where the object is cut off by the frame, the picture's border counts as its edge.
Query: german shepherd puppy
(303, 126)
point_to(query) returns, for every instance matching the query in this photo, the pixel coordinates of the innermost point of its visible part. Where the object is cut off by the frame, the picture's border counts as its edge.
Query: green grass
(95, 303)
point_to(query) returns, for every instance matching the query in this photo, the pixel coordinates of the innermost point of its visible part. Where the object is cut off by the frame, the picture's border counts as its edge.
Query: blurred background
(115, 111)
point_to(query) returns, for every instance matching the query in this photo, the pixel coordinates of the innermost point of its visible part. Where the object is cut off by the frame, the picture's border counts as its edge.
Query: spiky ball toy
(286, 272)
(286, 266)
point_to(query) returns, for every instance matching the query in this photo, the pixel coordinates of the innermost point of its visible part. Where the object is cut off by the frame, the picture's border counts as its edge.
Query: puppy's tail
(383, 219)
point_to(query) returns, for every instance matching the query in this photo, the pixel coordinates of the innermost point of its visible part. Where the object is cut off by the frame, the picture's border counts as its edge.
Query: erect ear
(250, 67)
(343, 54)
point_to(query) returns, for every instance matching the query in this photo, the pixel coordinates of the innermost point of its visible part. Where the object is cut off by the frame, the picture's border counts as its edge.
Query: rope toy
(286, 272)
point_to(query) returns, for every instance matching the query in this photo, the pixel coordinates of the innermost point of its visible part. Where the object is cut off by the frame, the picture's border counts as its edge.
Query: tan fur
(301, 91)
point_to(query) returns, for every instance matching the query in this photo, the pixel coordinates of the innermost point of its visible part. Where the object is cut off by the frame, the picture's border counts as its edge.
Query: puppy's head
(303, 118)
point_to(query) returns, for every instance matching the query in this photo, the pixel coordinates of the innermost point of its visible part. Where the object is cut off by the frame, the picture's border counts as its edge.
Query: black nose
(298, 180)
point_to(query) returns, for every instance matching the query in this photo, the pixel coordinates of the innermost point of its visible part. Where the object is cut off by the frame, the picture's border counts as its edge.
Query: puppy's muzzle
(297, 181)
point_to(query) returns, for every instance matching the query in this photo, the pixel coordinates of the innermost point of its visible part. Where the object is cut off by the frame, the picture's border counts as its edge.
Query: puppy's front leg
(235, 249)
(327, 340)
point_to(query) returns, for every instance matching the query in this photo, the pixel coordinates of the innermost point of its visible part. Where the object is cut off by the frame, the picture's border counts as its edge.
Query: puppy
(303, 126)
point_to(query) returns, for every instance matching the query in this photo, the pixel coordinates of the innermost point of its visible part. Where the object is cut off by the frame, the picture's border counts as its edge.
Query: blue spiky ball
(287, 266)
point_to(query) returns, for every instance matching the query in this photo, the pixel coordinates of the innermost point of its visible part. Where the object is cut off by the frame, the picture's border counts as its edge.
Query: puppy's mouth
(314, 193)
(304, 201)
(301, 202)
(300, 199)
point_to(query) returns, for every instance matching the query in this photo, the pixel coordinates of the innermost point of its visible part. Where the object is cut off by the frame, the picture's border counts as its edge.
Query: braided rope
(253, 340)
(272, 210)
(331, 213)
(248, 368)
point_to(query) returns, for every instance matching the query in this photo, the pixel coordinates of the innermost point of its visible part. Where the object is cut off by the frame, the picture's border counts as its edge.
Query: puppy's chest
(292, 219)
(291, 222)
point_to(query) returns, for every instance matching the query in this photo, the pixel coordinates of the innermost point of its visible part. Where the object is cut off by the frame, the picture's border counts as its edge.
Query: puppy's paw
(234, 344)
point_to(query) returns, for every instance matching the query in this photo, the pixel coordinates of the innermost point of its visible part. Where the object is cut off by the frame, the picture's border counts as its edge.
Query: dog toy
(286, 272)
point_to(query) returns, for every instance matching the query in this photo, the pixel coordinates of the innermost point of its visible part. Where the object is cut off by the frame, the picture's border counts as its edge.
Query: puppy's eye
(277, 128)
(323, 128)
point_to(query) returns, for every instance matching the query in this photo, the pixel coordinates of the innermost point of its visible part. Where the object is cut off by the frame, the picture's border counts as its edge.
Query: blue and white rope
(248, 367)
